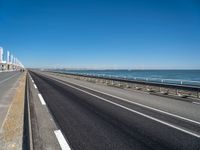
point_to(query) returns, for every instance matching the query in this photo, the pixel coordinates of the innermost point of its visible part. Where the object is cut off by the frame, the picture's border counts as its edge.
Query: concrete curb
(27, 139)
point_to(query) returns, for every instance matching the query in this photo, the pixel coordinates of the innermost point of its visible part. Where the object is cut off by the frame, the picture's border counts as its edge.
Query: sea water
(189, 77)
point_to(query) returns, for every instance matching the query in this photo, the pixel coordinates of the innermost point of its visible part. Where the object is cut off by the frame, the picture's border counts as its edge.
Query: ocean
(170, 76)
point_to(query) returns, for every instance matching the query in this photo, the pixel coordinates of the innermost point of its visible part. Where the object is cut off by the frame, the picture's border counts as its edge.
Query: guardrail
(163, 83)
(156, 80)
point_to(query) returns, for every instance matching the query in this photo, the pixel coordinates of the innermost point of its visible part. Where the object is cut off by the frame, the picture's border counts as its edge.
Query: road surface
(8, 82)
(92, 119)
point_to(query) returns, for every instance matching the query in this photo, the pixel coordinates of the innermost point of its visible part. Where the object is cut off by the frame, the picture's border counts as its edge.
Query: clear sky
(141, 34)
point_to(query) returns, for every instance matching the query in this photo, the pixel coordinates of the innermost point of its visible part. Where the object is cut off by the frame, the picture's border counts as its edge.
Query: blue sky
(144, 34)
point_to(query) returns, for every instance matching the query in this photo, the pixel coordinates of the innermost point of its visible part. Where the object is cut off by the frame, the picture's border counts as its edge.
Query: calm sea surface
(190, 75)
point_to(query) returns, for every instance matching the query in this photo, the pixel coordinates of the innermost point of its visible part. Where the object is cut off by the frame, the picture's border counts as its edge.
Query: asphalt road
(8, 81)
(179, 107)
(92, 120)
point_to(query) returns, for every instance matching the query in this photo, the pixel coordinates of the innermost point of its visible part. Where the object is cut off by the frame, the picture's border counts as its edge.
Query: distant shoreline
(167, 75)
(82, 69)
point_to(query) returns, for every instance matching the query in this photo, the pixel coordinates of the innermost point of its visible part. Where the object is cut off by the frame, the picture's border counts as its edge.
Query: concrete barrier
(182, 91)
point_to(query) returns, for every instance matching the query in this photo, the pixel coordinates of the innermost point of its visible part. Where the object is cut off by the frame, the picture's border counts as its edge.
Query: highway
(92, 119)
(8, 81)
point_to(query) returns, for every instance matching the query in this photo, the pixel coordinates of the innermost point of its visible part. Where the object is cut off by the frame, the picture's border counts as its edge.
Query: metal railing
(164, 85)
(144, 79)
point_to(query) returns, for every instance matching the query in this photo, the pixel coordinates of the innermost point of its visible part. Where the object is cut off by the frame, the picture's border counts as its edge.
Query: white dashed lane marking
(61, 139)
(41, 99)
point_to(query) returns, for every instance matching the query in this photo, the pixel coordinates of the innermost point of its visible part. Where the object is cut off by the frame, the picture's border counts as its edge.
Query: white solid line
(35, 86)
(196, 103)
(32, 80)
(142, 105)
(63, 143)
(139, 113)
(41, 99)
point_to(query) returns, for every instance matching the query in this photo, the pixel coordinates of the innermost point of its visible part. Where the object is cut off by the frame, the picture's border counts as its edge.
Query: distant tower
(14, 60)
(11, 58)
(8, 57)
(1, 54)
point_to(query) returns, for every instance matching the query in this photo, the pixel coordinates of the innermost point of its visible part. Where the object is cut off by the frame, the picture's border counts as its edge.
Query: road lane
(8, 82)
(169, 105)
(4, 76)
(47, 86)
(82, 126)
(171, 117)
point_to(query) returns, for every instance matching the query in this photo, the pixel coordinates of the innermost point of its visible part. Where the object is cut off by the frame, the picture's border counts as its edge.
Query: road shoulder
(42, 123)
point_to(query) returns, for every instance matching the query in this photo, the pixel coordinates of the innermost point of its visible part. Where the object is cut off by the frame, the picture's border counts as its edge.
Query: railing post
(135, 86)
(160, 89)
(119, 84)
(176, 91)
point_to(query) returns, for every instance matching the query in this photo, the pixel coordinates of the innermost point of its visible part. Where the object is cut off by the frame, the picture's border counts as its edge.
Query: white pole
(8, 57)
(1, 54)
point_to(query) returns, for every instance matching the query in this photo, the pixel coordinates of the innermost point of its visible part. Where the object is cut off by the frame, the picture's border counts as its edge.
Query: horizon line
(64, 68)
